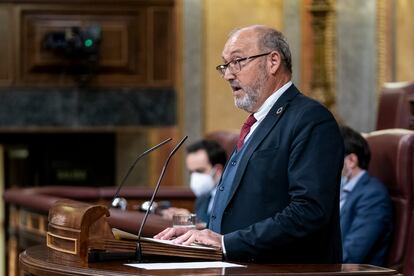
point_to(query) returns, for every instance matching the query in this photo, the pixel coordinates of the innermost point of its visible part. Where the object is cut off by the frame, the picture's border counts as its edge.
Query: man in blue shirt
(365, 206)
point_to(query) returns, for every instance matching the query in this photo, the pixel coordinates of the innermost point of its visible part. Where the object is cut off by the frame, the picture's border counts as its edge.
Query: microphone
(115, 200)
(139, 253)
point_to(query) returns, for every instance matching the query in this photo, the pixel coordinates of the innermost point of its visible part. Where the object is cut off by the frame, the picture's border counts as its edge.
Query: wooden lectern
(75, 228)
(78, 232)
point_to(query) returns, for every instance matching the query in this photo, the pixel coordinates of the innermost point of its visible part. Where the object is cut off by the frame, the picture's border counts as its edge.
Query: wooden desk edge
(31, 263)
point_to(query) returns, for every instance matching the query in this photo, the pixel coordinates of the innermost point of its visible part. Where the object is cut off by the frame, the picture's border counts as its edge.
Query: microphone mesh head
(120, 203)
(146, 204)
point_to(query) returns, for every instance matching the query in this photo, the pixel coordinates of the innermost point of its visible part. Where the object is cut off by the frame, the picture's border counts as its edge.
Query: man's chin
(242, 105)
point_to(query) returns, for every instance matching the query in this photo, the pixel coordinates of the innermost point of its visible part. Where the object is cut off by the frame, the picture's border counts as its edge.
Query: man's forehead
(197, 159)
(242, 42)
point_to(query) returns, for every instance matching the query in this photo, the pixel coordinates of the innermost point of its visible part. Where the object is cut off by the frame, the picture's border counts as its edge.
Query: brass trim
(64, 228)
(50, 245)
(383, 33)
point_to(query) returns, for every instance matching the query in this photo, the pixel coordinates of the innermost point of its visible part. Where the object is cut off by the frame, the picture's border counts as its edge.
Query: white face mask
(344, 180)
(201, 183)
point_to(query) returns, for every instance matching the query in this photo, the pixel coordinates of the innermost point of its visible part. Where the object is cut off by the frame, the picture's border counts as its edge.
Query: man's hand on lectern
(171, 233)
(187, 236)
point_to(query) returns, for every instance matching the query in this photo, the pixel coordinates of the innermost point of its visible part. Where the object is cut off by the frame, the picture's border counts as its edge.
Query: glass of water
(188, 220)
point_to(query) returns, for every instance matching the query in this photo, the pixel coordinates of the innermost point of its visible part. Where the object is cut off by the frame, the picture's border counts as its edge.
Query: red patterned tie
(245, 130)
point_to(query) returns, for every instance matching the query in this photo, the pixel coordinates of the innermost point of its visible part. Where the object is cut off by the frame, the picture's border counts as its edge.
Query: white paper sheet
(184, 265)
(199, 246)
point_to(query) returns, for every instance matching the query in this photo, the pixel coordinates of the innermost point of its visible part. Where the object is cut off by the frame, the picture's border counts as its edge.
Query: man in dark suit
(205, 161)
(278, 199)
(365, 206)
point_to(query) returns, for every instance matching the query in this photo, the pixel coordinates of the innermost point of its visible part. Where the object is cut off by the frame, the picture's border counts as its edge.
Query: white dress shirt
(261, 113)
(347, 187)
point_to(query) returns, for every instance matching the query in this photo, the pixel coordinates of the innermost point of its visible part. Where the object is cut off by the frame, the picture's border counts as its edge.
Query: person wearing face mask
(365, 206)
(205, 161)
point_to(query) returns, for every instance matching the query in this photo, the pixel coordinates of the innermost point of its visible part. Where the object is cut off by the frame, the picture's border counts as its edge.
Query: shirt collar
(349, 186)
(270, 101)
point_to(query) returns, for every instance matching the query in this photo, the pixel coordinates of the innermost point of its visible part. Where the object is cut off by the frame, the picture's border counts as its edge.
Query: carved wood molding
(324, 38)
(385, 43)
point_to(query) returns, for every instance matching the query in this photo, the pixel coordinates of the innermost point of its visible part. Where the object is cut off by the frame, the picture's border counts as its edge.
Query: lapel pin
(279, 110)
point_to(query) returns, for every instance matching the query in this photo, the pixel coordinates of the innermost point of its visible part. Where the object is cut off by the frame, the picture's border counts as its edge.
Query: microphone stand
(139, 251)
(133, 165)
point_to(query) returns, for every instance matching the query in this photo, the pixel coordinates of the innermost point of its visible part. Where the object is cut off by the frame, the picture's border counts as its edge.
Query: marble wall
(356, 63)
(192, 64)
(87, 107)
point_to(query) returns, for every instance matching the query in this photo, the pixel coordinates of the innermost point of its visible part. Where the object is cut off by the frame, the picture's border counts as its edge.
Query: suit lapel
(268, 123)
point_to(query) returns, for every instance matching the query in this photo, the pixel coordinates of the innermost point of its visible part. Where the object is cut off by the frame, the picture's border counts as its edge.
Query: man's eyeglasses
(235, 65)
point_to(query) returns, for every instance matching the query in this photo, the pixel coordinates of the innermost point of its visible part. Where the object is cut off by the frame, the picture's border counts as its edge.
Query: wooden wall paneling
(161, 30)
(6, 45)
(124, 55)
(119, 56)
(94, 2)
(131, 54)
(157, 158)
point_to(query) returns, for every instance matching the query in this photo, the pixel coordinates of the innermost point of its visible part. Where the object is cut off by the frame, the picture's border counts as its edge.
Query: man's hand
(187, 236)
(171, 233)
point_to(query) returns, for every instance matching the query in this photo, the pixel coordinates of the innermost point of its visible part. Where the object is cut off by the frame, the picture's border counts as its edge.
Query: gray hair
(272, 40)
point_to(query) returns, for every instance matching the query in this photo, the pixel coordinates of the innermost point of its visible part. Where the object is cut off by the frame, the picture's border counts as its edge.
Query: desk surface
(38, 260)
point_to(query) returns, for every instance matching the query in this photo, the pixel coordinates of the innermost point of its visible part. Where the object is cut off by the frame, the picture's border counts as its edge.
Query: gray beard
(252, 93)
(248, 101)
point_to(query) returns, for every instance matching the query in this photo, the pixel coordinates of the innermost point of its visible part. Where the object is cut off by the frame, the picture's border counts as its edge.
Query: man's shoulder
(305, 110)
(371, 185)
(311, 103)
(299, 101)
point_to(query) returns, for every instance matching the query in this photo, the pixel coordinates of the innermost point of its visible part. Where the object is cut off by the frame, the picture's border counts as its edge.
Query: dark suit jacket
(284, 203)
(366, 218)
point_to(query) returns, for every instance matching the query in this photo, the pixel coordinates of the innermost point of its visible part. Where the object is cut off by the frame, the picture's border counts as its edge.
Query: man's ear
(275, 62)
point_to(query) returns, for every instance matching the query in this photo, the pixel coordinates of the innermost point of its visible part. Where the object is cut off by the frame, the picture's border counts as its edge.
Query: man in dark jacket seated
(205, 161)
(365, 206)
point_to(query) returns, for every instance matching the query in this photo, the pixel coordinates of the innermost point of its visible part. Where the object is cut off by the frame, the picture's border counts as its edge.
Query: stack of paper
(127, 242)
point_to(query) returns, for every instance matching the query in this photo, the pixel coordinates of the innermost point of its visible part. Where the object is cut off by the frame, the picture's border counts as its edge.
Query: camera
(74, 42)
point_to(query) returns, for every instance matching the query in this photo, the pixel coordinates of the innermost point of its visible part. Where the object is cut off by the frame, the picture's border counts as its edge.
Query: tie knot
(250, 120)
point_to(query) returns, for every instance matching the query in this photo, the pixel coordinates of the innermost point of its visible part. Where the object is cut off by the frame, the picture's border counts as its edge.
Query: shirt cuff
(222, 245)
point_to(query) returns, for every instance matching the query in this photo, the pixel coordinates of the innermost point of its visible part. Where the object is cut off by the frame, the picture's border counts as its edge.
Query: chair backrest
(226, 139)
(392, 153)
(409, 254)
(394, 109)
